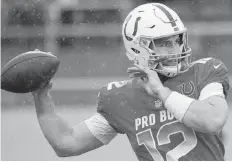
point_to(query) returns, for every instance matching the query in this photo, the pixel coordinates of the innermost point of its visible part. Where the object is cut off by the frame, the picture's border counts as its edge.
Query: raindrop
(103, 65)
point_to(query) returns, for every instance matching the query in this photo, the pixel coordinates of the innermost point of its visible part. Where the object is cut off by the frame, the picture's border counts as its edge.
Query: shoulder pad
(105, 105)
(211, 70)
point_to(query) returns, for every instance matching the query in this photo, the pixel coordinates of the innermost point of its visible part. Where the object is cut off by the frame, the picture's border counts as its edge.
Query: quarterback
(170, 108)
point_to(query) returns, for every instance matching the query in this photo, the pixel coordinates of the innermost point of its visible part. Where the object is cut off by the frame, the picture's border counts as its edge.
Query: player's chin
(170, 63)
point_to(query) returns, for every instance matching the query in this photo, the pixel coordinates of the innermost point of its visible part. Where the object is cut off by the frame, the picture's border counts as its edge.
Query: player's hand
(43, 90)
(149, 79)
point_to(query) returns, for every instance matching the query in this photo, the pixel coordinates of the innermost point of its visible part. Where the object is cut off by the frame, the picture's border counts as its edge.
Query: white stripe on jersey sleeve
(100, 128)
(212, 89)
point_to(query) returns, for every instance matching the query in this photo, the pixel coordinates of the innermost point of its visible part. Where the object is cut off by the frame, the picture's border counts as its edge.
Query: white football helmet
(147, 23)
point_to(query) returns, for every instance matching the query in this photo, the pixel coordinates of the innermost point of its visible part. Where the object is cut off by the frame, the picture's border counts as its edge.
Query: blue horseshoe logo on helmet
(135, 29)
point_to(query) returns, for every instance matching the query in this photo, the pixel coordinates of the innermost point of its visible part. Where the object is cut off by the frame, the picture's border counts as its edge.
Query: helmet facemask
(167, 64)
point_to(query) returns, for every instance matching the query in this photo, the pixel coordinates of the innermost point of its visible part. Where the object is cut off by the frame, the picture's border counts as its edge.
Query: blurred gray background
(86, 36)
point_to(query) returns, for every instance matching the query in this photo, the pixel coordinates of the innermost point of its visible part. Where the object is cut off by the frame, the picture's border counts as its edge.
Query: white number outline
(152, 150)
(189, 143)
(117, 84)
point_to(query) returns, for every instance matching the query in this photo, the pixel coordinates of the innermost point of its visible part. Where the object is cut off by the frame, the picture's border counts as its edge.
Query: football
(27, 71)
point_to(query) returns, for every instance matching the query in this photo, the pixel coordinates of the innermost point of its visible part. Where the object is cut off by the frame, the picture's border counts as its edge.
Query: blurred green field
(22, 139)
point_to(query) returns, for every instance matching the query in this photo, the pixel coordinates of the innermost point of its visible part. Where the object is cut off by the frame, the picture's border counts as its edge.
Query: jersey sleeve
(105, 106)
(211, 71)
(100, 128)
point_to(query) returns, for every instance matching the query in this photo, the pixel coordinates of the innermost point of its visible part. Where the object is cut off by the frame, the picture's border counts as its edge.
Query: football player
(170, 109)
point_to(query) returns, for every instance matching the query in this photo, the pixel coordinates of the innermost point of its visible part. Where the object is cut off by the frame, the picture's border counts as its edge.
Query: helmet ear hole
(181, 38)
(135, 50)
(151, 46)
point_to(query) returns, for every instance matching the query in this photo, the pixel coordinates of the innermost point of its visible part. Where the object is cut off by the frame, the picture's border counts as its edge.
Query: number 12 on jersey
(163, 137)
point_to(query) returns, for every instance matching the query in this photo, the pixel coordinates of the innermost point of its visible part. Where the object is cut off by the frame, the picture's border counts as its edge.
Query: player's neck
(163, 78)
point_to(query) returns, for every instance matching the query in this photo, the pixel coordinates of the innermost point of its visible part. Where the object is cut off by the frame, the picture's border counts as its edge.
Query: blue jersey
(154, 133)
